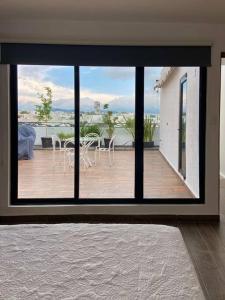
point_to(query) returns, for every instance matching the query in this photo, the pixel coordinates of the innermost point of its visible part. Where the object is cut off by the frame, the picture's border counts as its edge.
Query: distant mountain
(120, 104)
(87, 104)
(126, 104)
(62, 109)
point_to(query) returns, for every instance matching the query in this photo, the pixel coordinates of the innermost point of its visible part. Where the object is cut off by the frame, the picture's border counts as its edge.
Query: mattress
(95, 261)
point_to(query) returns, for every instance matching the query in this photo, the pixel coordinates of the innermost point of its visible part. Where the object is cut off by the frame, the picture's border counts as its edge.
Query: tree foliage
(109, 121)
(43, 111)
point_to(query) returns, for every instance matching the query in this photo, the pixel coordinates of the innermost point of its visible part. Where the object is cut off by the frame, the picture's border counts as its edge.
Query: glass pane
(45, 123)
(107, 107)
(182, 137)
(171, 132)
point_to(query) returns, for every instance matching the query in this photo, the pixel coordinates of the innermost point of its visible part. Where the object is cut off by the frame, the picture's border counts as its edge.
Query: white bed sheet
(95, 261)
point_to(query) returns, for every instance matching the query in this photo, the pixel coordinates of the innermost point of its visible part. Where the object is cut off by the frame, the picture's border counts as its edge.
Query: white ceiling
(204, 11)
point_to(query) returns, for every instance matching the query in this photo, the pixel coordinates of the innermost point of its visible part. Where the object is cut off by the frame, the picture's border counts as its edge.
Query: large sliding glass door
(101, 134)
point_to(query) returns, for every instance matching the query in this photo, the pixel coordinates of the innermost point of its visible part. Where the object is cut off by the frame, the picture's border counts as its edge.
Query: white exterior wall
(169, 123)
(222, 122)
(169, 119)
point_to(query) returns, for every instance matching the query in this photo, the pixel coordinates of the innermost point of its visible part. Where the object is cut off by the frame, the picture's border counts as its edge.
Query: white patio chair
(96, 138)
(85, 144)
(56, 139)
(68, 153)
(83, 156)
(109, 150)
(69, 156)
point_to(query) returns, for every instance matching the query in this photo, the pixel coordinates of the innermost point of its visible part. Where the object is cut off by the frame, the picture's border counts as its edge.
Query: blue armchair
(26, 140)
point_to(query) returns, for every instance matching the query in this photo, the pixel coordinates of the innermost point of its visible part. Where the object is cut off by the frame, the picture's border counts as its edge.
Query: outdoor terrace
(45, 177)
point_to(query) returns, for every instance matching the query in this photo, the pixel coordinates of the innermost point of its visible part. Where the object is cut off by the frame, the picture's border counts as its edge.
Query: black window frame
(139, 151)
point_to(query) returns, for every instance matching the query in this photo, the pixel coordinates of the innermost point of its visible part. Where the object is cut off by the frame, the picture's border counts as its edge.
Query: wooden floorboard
(207, 262)
(205, 242)
(194, 245)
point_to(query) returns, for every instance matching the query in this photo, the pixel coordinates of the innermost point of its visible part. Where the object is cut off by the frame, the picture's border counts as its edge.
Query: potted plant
(43, 114)
(129, 126)
(110, 123)
(64, 136)
(92, 128)
(149, 130)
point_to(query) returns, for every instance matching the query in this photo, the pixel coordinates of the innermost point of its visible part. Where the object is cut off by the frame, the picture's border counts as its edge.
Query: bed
(95, 261)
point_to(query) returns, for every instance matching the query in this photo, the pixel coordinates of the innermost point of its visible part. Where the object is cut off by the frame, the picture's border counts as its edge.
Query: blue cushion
(26, 140)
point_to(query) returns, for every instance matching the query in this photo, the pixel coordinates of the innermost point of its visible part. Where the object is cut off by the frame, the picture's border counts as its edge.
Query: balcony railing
(123, 138)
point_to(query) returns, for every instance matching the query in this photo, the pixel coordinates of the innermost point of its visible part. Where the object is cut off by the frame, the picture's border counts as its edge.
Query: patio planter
(69, 145)
(95, 144)
(149, 144)
(46, 142)
(106, 141)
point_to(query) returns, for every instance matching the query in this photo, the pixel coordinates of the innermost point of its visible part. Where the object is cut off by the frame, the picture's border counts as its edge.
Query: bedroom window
(106, 133)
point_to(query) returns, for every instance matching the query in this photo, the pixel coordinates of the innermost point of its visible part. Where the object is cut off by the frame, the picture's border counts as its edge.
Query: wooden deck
(44, 177)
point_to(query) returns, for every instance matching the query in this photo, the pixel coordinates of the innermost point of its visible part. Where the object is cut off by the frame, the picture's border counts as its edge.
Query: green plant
(86, 129)
(24, 112)
(43, 111)
(149, 129)
(63, 136)
(109, 121)
(129, 125)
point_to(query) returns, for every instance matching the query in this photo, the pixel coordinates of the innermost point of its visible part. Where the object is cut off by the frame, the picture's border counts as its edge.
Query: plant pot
(69, 145)
(46, 142)
(106, 141)
(57, 144)
(149, 144)
(95, 144)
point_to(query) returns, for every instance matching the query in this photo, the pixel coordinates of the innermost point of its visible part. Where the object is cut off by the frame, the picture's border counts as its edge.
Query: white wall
(169, 118)
(222, 121)
(123, 34)
(169, 123)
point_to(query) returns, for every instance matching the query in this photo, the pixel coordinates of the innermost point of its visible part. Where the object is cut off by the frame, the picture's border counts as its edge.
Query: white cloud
(36, 71)
(33, 79)
(101, 97)
(29, 89)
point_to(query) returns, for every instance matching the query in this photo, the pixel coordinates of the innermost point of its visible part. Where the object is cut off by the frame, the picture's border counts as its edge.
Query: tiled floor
(45, 177)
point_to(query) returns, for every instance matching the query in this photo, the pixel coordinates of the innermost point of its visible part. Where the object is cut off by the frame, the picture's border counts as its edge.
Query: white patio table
(85, 143)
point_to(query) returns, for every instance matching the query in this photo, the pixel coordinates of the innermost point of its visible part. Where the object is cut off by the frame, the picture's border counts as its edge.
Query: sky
(112, 85)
